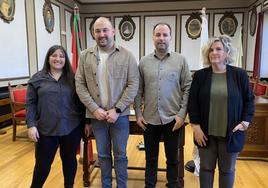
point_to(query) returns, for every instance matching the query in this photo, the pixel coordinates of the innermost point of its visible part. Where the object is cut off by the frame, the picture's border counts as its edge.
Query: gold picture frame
(7, 10)
(91, 28)
(253, 21)
(193, 25)
(48, 16)
(228, 24)
(127, 28)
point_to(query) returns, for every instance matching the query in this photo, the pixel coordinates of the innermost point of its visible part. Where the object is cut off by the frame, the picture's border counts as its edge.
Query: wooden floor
(17, 161)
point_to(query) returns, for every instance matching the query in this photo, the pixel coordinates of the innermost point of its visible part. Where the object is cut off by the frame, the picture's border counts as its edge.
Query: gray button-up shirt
(164, 88)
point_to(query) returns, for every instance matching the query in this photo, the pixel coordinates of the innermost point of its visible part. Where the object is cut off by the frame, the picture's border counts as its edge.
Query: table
(134, 130)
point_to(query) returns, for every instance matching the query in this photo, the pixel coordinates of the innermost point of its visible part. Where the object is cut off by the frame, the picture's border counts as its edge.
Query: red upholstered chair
(260, 89)
(18, 101)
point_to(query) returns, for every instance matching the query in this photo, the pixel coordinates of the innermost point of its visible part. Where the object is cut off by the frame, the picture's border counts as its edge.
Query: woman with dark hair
(221, 107)
(54, 117)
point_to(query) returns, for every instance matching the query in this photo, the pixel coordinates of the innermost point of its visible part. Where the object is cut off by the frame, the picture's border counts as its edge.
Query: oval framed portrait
(127, 28)
(91, 29)
(7, 10)
(193, 26)
(48, 16)
(228, 24)
(253, 21)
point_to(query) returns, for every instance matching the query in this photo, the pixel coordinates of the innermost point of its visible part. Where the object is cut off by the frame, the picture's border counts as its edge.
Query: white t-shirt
(103, 78)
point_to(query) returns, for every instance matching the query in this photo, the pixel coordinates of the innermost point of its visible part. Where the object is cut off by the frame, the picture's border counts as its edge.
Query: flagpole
(77, 12)
(239, 48)
(203, 35)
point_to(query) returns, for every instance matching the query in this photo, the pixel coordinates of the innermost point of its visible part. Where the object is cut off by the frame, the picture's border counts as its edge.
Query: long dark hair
(67, 69)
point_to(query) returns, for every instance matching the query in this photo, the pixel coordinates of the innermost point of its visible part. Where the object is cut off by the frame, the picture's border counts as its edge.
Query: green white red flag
(76, 38)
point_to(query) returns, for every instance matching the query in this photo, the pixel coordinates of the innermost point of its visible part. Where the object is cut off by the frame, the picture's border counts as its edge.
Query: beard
(102, 42)
(161, 47)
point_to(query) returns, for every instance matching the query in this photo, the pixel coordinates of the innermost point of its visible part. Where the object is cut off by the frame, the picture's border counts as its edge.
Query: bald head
(104, 33)
(102, 21)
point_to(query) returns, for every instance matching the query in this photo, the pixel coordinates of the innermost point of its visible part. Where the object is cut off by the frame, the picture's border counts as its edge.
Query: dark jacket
(240, 103)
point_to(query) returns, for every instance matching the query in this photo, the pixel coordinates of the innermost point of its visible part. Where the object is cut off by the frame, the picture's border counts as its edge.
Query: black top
(240, 105)
(52, 106)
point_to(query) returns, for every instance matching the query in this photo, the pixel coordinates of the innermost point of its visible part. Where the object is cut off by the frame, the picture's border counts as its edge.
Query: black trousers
(152, 137)
(45, 150)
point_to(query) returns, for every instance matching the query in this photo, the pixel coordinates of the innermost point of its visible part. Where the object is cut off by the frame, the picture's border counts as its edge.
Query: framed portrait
(48, 16)
(193, 26)
(127, 28)
(228, 24)
(91, 29)
(253, 21)
(7, 10)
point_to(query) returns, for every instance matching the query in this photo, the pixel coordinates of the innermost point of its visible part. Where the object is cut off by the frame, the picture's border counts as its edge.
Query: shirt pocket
(120, 71)
(173, 76)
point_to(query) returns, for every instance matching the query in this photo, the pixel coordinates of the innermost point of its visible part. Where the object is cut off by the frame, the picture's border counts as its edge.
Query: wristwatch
(118, 110)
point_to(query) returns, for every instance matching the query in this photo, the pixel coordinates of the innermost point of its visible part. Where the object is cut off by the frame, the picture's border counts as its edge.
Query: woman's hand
(199, 135)
(241, 126)
(33, 134)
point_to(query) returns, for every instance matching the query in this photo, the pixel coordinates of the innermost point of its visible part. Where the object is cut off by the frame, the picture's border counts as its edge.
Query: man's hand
(178, 124)
(141, 122)
(112, 116)
(100, 114)
(33, 134)
(199, 135)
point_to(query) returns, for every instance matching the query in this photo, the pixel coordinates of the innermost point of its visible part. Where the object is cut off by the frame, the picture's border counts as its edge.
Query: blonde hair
(227, 47)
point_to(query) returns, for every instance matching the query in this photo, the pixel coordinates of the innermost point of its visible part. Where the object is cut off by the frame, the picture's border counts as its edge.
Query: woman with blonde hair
(221, 107)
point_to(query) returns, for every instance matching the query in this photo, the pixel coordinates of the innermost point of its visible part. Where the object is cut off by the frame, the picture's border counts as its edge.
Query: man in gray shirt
(106, 83)
(165, 81)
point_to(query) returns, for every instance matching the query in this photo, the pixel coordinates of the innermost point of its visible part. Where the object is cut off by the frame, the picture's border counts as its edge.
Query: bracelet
(244, 125)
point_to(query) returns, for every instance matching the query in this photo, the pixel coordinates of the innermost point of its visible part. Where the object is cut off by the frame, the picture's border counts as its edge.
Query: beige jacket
(123, 80)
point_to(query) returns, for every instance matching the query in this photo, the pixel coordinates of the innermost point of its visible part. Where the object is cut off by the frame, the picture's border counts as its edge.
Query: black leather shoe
(190, 166)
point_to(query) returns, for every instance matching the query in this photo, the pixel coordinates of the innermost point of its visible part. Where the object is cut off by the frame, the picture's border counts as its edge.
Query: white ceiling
(124, 1)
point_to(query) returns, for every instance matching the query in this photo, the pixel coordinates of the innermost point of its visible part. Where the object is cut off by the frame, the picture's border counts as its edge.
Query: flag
(258, 44)
(203, 35)
(239, 48)
(76, 50)
(76, 38)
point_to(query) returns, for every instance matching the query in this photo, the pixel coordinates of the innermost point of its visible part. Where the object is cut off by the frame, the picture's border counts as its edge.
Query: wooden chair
(6, 116)
(18, 101)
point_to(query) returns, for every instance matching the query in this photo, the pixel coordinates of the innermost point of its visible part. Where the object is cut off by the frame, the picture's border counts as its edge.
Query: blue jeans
(216, 151)
(112, 136)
